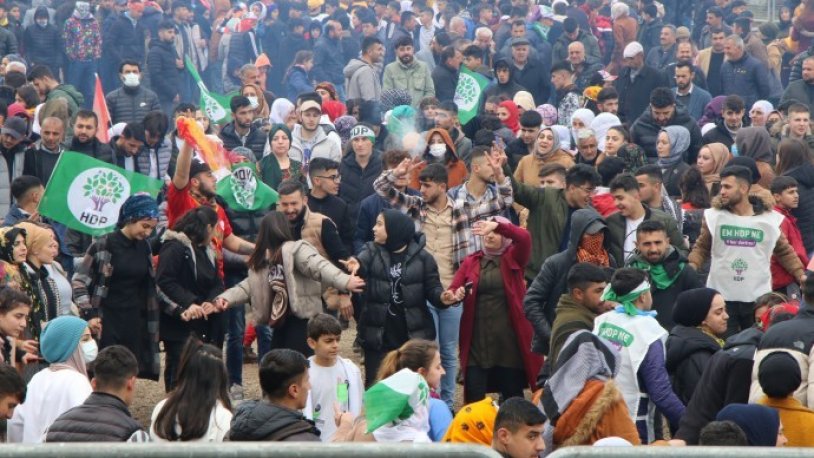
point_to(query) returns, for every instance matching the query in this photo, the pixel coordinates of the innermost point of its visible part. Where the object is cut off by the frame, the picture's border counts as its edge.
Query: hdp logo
(95, 196)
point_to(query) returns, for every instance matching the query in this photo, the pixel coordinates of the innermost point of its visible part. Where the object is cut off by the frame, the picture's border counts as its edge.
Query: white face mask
(89, 350)
(131, 80)
(438, 149)
(42, 22)
(253, 101)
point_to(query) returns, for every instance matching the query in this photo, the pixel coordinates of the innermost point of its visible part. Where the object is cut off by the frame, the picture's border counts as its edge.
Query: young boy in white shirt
(336, 383)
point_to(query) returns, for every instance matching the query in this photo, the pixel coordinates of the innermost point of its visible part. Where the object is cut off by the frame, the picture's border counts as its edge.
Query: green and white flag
(402, 397)
(243, 191)
(468, 94)
(216, 106)
(86, 194)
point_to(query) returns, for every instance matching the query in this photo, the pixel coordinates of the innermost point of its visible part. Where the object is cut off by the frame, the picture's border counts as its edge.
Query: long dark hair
(274, 231)
(693, 188)
(791, 153)
(194, 223)
(202, 382)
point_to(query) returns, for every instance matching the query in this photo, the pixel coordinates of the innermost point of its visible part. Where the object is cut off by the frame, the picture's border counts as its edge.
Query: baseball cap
(310, 104)
(520, 41)
(633, 49)
(16, 127)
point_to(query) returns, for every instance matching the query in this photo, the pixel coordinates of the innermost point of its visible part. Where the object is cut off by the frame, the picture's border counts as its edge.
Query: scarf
(506, 242)
(82, 10)
(627, 306)
(525, 100)
(583, 114)
(601, 124)
(513, 121)
(280, 110)
(565, 139)
(75, 363)
(591, 249)
(548, 113)
(720, 156)
(474, 424)
(679, 138)
(756, 143)
(7, 237)
(555, 145)
(658, 274)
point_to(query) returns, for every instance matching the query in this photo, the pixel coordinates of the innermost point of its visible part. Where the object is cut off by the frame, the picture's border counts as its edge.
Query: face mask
(438, 149)
(253, 102)
(42, 22)
(89, 350)
(131, 80)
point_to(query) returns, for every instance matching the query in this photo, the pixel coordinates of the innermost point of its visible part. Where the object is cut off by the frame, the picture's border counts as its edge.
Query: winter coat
(165, 77)
(583, 76)
(243, 47)
(8, 42)
(6, 175)
(289, 47)
(672, 178)
(645, 131)
(255, 140)
(634, 96)
(328, 60)
(420, 284)
(415, 78)
(535, 77)
(617, 230)
(747, 77)
(650, 34)
(624, 32)
(131, 104)
(512, 263)
(445, 81)
(658, 58)
(571, 317)
(560, 48)
(123, 41)
(93, 148)
(780, 278)
(688, 351)
(256, 421)
(550, 282)
(509, 89)
(184, 279)
(357, 183)
(101, 418)
(42, 45)
(74, 98)
(369, 210)
(323, 146)
(598, 411)
(797, 420)
(805, 210)
(722, 382)
(307, 274)
(797, 64)
(82, 39)
(719, 134)
(800, 92)
(297, 81)
(362, 81)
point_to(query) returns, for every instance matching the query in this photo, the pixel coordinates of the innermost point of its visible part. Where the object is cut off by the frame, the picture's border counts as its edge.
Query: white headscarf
(583, 114)
(601, 124)
(280, 110)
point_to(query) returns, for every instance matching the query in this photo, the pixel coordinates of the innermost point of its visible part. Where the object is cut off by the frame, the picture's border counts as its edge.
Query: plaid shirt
(466, 209)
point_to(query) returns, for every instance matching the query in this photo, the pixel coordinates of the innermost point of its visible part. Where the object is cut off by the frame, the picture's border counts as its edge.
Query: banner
(468, 94)
(215, 106)
(100, 108)
(85, 194)
(244, 191)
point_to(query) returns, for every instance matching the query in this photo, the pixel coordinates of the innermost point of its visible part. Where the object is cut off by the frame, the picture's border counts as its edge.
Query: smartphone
(468, 287)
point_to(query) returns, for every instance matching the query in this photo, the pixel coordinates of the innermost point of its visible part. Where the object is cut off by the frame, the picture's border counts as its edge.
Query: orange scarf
(591, 249)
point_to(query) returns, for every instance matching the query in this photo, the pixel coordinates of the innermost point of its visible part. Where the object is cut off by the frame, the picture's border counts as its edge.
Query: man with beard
(740, 235)
(42, 156)
(308, 139)
(667, 267)
(408, 73)
(127, 145)
(684, 53)
(727, 126)
(242, 131)
(13, 141)
(329, 59)
(802, 90)
(84, 137)
(663, 112)
(566, 96)
(687, 93)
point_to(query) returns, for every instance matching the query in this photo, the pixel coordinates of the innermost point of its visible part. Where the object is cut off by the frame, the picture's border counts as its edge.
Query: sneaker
(236, 393)
(249, 356)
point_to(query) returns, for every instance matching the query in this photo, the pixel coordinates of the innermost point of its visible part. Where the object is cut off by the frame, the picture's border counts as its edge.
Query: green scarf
(626, 301)
(658, 274)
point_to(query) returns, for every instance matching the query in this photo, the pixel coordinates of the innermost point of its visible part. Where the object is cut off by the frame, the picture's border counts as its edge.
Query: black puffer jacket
(256, 421)
(419, 282)
(165, 76)
(101, 418)
(634, 96)
(550, 283)
(645, 131)
(720, 134)
(42, 45)
(255, 140)
(131, 104)
(805, 211)
(357, 183)
(688, 351)
(123, 41)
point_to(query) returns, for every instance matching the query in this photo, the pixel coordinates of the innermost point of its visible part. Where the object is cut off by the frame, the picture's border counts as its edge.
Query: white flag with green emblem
(215, 106)
(468, 94)
(397, 408)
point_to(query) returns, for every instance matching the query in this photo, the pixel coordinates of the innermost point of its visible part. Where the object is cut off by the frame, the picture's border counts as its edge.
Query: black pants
(741, 316)
(373, 359)
(172, 356)
(478, 381)
(292, 335)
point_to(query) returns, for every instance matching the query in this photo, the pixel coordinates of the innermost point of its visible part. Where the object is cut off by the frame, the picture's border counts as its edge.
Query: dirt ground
(149, 393)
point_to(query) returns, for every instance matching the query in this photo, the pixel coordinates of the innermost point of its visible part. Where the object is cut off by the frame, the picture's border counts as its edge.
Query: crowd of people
(593, 215)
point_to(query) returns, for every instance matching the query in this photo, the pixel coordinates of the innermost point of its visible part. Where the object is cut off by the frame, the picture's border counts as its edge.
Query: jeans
(447, 325)
(81, 74)
(234, 343)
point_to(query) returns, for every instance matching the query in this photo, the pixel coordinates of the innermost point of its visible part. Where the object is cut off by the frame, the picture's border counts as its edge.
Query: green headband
(628, 307)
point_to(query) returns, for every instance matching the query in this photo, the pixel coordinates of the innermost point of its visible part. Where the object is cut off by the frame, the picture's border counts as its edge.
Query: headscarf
(81, 10)
(692, 306)
(402, 121)
(601, 124)
(280, 110)
(7, 236)
(713, 110)
(343, 125)
(262, 109)
(36, 237)
(591, 247)
(444, 136)
(584, 356)
(524, 99)
(549, 114)
(765, 106)
(513, 121)
(137, 207)
(749, 163)
(555, 145)
(334, 109)
(627, 306)
(391, 98)
(279, 127)
(583, 114)
(473, 424)
(563, 133)
(679, 138)
(330, 88)
(400, 229)
(760, 423)
(756, 143)
(60, 343)
(720, 156)
(506, 241)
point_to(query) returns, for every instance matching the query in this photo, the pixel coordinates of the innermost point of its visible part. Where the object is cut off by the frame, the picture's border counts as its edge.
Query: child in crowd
(336, 383)
(787, 198)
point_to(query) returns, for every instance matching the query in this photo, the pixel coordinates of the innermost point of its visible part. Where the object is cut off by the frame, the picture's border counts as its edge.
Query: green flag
(243, 191)
(216, 106)
(468, 94)
(85, 194)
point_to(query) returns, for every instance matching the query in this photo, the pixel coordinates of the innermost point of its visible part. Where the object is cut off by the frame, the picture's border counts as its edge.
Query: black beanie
(400, 229)
(692, 306)
(779, 375)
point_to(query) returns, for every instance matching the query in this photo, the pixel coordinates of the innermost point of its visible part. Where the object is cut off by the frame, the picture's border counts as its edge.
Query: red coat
(781, 278)
(512, 265)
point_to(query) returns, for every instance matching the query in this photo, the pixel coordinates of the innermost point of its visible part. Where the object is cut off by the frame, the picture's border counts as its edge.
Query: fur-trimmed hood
(578, 425)
(760, 198)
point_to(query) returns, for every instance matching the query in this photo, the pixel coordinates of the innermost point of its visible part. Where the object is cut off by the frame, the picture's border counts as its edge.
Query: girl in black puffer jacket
(400, 278)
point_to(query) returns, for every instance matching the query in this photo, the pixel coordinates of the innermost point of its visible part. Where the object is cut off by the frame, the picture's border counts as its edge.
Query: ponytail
(415, 354)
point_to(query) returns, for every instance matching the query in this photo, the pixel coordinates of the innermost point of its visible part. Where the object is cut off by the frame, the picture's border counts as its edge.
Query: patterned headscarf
(7, 236)
(343, 125)
(391, 98)
(549, 114)
(474, 424)
(137, 207)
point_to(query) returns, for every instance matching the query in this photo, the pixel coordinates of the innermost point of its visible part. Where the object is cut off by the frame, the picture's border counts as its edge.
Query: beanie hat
(759, 423)
(692, 306)
(60, 338)
(361, 130)
(400, 229)
(779, 375)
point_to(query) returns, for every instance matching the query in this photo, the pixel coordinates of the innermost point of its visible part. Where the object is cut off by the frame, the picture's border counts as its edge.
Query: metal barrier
(247, 450)
(681, 452)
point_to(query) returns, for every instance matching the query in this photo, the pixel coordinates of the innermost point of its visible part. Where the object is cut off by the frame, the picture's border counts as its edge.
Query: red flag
(100, 108)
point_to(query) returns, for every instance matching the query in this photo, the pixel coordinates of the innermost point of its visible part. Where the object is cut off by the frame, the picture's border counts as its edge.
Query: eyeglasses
(334, 178)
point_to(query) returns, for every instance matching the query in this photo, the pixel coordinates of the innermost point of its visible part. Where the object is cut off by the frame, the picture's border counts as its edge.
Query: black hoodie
(509, 89)
(645, 131)
(805, 210)
(263, 421)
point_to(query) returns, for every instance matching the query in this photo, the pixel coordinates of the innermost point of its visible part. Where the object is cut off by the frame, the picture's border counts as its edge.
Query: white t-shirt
(329, 385)
(219, 423)
(630, 236)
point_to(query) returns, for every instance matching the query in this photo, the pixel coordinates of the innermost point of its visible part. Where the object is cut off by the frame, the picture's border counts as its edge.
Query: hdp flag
(468, 94)
(244, 191)
(215, 106)
(85, 194)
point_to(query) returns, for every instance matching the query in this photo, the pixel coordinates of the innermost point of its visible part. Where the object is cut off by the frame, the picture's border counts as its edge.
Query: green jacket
(616, 232)
(548, 214)
(571, 317)
(74, 98)
(415, 79)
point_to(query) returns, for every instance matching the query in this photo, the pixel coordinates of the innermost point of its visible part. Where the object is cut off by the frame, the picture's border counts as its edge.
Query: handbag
(279, 306)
